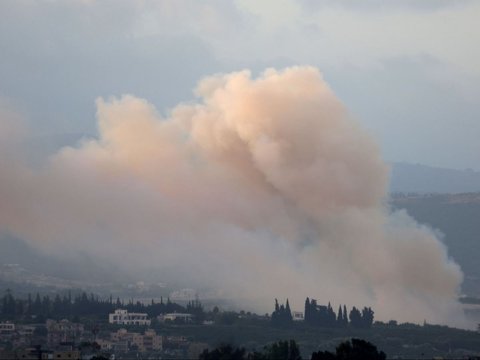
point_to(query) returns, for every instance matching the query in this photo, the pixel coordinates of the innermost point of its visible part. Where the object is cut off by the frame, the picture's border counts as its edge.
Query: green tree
(355, 318)
(37, 305)
(323, 355)
(223, 352)
(345, 316)
(367, 317)
(8, 305)
(282, 315)
(283, 350)
(359, 349)
(356, 349)
(288, 312)
(340, 317)
(307, 316)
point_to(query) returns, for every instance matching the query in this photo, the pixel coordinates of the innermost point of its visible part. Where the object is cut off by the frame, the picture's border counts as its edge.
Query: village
(65, 339)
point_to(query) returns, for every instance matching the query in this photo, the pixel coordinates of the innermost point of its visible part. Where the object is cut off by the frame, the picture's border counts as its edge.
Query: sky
(408, 71)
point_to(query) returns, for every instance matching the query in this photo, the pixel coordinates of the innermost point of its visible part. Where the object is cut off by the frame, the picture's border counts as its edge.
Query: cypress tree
(29, 304)
(314, 313)
(331, 317)
(19, 308)
(288, 312)
(37, 305)
(340, 316)
(307, 314)
(356, 318)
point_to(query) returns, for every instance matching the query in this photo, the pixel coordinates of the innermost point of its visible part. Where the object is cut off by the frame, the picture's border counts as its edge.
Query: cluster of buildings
(124, 341)
(64, 339)
(16, 335)
(123, 317)
(64, 331)
(52, 340)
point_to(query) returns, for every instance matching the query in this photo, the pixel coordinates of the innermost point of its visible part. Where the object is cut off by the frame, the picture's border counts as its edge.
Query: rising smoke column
(262, 188)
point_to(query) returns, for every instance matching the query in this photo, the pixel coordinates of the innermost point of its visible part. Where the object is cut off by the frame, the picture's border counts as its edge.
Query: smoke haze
(261, 188)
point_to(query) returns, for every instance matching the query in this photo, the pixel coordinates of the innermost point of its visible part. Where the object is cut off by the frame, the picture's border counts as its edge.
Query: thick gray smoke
(262, 188)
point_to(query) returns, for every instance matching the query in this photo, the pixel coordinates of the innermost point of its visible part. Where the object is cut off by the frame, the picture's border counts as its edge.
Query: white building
(186, 318)
(123, 317)
(297, 316)
(7, 327)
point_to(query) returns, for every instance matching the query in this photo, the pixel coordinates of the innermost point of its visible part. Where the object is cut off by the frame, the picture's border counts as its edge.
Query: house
(177, 317)
(149, 341)
(63, 331)
(7, 327)
(123, 317)
(122, 340)
(297, 316)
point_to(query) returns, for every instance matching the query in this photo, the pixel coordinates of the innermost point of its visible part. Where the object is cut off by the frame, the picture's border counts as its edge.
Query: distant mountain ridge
(416, 178)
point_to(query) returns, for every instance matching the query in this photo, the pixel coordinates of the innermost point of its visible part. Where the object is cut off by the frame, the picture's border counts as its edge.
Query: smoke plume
(261, 188)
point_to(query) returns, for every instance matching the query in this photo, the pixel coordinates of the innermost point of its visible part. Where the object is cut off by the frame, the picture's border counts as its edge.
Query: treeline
(355, 349)
(324, 315)
(281, 350)
(66, 306)
(82, 305)
(282, 315)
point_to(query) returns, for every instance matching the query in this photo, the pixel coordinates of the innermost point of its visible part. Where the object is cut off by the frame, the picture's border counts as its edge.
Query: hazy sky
(408, 70)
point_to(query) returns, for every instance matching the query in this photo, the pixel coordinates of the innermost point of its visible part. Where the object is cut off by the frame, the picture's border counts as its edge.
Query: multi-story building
(149, 341)
(120, 334)
(63, 331)
(120, 346)
(177, 317)
(7, 327)
(122, 340)
(123, 317)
